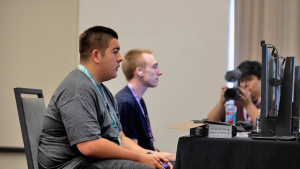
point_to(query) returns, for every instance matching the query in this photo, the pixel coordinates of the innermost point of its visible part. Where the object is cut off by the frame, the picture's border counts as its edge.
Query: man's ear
(139, 72)
(96, 56)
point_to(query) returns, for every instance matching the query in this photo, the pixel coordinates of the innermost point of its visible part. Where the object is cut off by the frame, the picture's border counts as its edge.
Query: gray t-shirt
(75, 113)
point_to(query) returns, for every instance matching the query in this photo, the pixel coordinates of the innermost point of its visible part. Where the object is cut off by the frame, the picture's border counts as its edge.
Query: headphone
(141, 73)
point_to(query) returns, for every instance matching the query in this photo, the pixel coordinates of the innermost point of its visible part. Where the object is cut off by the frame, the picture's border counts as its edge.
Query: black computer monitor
(270, 74)
(296, 104)
(277, 94)
(268, 96)
(284, 119)
(296, 111)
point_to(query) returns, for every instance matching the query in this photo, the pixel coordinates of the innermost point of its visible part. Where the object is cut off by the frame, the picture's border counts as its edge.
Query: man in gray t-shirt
(81, 127)
(75, 114)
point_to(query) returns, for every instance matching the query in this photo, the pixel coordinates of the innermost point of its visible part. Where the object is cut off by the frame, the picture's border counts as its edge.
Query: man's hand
(245, 97)
(162, 159)
(162, 156)
(246, 102)
(151, 160)
(169, 156)
(223, 100)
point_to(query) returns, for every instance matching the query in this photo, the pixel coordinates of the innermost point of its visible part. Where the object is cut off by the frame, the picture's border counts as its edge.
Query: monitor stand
(282, 138)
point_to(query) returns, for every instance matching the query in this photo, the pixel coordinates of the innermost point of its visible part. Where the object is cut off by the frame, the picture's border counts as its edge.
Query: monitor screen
(270, 94)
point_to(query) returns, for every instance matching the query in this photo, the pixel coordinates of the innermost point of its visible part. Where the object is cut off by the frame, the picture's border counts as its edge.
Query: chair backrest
(31, 115)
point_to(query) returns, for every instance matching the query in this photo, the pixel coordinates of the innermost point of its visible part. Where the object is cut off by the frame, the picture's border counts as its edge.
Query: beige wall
(189, 41)
(13, 161)
(38, 48)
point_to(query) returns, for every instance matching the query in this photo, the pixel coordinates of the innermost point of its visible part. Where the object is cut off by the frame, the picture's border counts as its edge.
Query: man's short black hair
(97, 37)
(250, 68)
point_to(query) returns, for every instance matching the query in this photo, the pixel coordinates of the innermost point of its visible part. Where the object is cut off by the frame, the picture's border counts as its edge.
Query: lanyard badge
(85, 71)
(145, 115)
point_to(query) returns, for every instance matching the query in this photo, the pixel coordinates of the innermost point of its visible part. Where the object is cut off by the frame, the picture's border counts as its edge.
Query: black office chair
(31, 116)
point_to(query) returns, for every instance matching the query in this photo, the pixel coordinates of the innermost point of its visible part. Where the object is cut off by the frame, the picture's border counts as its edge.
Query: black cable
(270, 45)
(272, 120)
(273, 110)
(279, 56)
(282, 63)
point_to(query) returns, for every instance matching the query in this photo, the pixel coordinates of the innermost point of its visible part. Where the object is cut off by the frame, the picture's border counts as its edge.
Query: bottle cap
(231, 101)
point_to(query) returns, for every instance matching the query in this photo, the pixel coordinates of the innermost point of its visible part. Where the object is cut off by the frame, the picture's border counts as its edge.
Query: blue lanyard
(85, 71)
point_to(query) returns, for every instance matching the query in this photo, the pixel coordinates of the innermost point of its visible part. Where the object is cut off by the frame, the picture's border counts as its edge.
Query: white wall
(189, 41)
(38, 48)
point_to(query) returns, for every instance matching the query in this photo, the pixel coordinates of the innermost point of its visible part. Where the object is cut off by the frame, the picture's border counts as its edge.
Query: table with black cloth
(236, 152)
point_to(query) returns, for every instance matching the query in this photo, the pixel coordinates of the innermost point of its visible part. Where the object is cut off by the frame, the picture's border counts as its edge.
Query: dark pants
(111, 164)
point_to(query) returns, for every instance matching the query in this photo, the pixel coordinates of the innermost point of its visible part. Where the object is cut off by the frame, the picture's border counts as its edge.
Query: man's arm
(130, 144)
(246, 101)
(103, 148)
(216, 113)
(252, 112)
(135, 140)
(169, 156)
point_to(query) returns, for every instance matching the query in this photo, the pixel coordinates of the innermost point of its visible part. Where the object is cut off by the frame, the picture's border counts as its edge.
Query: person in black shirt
(248, 104)
(141, 71)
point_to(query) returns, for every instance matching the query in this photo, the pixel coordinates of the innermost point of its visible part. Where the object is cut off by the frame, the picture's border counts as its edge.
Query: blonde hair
(132, 60)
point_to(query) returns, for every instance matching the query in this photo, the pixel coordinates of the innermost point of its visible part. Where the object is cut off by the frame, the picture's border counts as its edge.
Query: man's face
(253, 84)
(110, 62)
(151, 71)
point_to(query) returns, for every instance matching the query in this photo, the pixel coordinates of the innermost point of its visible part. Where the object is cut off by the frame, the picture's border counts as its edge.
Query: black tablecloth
(202, 152)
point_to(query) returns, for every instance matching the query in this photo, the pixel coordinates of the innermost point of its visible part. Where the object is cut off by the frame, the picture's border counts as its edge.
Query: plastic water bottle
(258, 129)
(230, 112)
